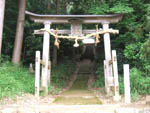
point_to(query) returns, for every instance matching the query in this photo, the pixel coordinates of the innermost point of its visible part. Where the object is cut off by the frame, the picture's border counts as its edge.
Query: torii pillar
(45, 57)
(108, 58)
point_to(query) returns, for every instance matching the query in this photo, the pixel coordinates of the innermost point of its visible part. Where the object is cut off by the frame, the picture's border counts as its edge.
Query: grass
(78, 94)
(62, 73)
(80, 86)
(80, 83)
(77, 101)
(15, 80)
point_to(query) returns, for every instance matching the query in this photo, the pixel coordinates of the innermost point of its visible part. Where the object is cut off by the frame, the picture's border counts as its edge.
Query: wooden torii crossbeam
(96, 35)
(76, 31)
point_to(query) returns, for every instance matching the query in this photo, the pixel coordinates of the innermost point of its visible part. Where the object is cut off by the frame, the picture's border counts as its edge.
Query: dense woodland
(132, 43)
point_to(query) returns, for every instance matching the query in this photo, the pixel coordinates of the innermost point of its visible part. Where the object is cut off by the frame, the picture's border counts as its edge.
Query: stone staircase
(73, 109)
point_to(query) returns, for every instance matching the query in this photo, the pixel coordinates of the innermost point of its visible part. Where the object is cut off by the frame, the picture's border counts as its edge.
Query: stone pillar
(115, 73)
(107, 47)
(127, 94)
(45, 58)
(37, 73)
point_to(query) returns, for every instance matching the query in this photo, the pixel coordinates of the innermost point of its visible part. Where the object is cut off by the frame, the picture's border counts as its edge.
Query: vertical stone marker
(45, 58)
(37, 73)
(127, 84)
(115, 71)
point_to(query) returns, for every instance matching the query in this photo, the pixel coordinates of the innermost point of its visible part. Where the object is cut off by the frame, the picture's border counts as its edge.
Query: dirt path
(78, 94)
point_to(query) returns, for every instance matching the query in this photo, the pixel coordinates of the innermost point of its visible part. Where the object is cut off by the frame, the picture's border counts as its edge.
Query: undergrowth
(15, 80)
(99, 78)
(139, 83)
(61, 74)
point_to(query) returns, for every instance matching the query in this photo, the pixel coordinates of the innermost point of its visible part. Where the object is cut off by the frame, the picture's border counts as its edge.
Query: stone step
(61, 109)
(72, 109)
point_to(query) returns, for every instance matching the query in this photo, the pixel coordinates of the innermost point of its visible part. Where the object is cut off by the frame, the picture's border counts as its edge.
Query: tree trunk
(57, 6)
(65, 5)
(2, 11)
(49, 5)
(55, 48)
(54, 56)
(19, 33)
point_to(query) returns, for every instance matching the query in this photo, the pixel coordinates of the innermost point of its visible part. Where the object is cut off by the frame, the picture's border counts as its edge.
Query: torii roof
(85, 19)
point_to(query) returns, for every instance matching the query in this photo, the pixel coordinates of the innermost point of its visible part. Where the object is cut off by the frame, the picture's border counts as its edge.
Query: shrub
(99, 78)
(14, 80)
(121, 85)
(138, 82)
(62, 73)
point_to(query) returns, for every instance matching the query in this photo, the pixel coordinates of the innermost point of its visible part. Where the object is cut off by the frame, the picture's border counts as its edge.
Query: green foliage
(99, 9)
(4, 58)
(121, 85)
(100, 78)
(132, 51)
(119, 7)
(15, 80)
(99, 82)
(135, 96)
(139, 84)
(104, 8)
(147, 17)
(138, 54)
(62, 73)
(53, 90)
(145, 50)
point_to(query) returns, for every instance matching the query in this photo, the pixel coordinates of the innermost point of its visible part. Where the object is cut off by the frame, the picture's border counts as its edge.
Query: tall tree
(65, 6)
(49, 5)
(2, 10)
(57, 6)
(19, 32)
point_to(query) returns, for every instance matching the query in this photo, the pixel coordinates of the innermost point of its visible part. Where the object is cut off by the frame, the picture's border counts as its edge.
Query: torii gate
(76, 22)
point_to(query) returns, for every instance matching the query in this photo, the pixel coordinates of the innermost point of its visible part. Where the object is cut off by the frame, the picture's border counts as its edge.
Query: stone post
(115, 72)
(45, 58)
(127, 94)
(37, 73)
